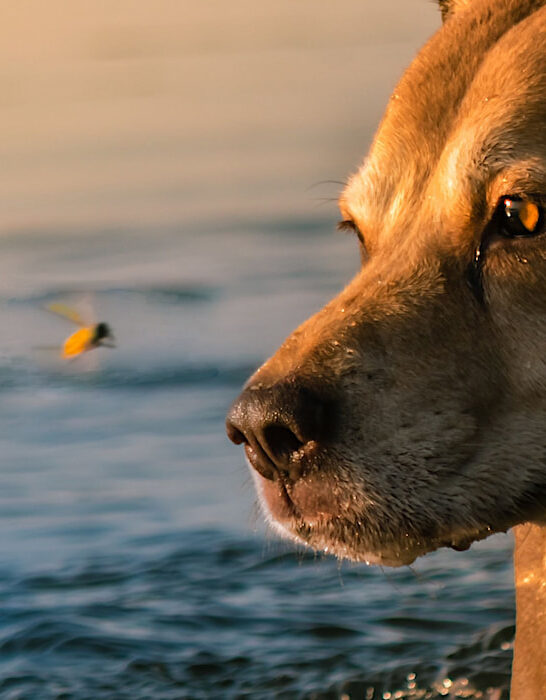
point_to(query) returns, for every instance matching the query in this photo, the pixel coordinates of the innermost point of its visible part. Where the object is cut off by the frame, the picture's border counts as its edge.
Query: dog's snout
(274, 423)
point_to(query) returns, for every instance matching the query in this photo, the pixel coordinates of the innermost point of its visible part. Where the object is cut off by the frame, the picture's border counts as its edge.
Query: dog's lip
(310, 500)
(291, 501)
(259, 461)
(275, 498)
(272, 484)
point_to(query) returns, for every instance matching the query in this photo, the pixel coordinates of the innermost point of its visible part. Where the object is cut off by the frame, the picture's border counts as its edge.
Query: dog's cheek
(516, 303)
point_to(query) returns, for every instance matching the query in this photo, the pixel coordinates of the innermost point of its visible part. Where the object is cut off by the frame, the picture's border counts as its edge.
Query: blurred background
(172, 168)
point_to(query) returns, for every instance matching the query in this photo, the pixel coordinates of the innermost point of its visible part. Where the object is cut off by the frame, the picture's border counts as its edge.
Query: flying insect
(87, 337)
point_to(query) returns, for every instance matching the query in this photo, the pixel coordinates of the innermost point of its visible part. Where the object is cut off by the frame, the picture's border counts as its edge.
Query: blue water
(133, 563)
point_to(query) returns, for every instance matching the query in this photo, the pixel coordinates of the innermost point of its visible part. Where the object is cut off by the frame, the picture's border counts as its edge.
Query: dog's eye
(348, 225)
(520, 218)
(514, 217)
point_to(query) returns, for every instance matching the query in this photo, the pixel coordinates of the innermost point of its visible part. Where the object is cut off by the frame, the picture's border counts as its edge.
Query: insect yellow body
(85, 338)
(78, 342)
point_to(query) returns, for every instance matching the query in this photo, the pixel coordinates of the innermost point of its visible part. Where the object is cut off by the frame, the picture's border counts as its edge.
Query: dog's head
(410, 412)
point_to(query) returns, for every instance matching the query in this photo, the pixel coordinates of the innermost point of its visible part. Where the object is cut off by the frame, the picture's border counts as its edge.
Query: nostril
(234, 434)
(281, 442)
(276, 422)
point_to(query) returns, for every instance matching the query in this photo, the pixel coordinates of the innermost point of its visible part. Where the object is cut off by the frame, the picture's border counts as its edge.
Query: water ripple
(202, 620)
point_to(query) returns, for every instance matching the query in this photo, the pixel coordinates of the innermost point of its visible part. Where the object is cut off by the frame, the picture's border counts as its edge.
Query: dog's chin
(311, 513)
(310, 516)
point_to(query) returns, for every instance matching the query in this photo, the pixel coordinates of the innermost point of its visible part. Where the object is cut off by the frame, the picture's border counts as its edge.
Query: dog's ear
(445, 8)
(449, 7)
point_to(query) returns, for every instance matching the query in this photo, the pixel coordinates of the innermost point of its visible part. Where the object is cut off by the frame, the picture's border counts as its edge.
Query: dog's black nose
(274, 422)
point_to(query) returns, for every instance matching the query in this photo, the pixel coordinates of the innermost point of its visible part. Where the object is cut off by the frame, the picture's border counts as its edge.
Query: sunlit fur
(439, 433)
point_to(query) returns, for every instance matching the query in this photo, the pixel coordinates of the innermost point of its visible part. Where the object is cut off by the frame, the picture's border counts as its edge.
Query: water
(132, 564)
(132, 561)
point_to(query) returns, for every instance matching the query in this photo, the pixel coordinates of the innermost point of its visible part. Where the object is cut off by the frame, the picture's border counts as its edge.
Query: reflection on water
(158, 170)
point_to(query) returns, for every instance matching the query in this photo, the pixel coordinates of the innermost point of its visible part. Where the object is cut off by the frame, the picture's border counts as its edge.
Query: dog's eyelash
(346, 226)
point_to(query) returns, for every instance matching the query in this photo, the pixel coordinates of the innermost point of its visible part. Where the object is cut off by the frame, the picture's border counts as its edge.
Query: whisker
(390, 579)
(321, 201)
(431, 588)
(327, 182)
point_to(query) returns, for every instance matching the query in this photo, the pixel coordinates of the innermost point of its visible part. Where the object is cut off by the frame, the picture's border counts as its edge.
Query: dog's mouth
(318, 511)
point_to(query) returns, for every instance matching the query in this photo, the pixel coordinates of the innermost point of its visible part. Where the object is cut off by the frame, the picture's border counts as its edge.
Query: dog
(409, 413)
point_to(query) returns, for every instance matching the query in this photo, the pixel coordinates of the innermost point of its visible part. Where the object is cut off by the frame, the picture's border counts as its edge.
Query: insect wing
(66, 312)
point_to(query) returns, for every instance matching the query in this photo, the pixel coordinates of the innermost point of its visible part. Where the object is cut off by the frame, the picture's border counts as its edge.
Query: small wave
(21, 375)
(172, 294)
(166, 377)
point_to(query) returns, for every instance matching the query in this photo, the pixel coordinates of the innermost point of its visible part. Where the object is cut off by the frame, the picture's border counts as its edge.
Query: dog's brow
(358, 196)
